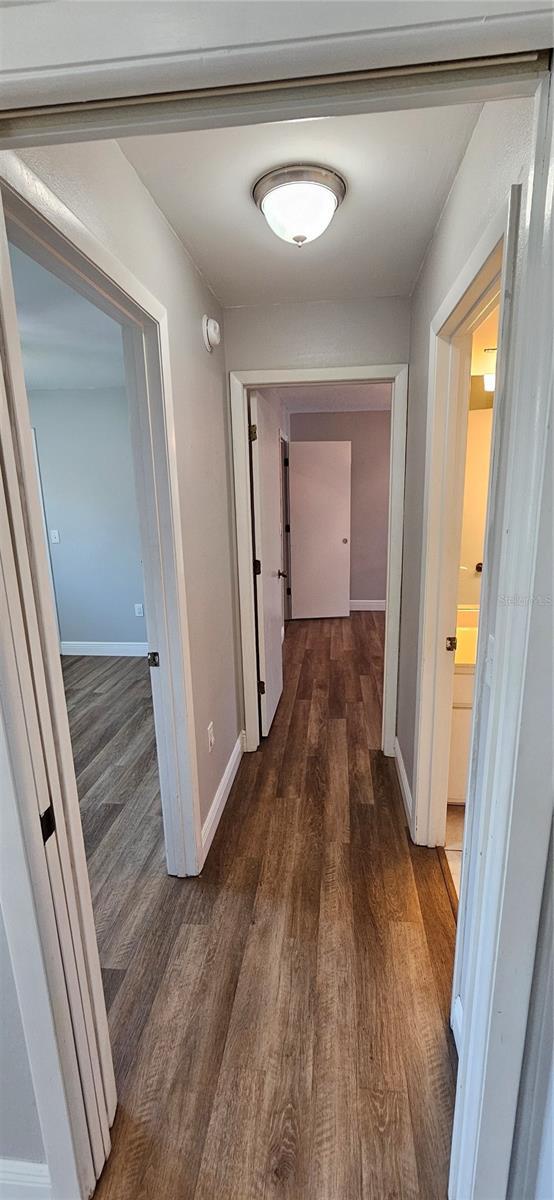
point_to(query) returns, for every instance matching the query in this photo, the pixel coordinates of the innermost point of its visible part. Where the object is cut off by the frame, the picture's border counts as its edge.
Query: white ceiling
(399, 167)
(66, 341)
(331, 397)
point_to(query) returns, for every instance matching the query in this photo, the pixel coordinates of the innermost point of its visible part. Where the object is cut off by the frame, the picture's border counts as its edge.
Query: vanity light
(299, 202)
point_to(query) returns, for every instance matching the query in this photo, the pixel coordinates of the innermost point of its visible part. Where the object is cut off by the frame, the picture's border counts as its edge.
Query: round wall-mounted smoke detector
(210, 332)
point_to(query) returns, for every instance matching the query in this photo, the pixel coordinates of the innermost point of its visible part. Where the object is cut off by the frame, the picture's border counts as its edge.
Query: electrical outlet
(211, 736)
(55, 536)
(139, 610)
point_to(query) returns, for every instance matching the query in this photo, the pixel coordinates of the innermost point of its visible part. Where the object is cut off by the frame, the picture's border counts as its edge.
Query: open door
(320, 502)
(29, 627)
(268, 566)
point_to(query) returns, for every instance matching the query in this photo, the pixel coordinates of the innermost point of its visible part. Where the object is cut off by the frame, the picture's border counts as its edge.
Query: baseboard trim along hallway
(105, 649)
(220, 799)
(407, 797)
(367, 605)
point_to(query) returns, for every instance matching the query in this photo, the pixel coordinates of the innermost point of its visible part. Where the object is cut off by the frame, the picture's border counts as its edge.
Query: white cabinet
(460, 734)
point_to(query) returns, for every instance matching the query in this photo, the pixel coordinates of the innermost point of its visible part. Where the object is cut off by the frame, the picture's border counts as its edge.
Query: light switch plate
(54, 536)
(139, 610)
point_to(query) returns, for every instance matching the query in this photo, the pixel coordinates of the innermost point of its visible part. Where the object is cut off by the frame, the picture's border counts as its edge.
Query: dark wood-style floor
(279, 1024)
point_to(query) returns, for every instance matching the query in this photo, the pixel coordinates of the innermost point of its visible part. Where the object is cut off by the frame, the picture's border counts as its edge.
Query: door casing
(240, 383)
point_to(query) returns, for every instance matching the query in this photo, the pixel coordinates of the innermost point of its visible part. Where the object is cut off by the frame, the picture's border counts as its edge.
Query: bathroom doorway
(478, 442)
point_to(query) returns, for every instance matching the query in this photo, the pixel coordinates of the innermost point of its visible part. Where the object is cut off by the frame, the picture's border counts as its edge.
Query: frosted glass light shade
(299, 203)
(299, 212)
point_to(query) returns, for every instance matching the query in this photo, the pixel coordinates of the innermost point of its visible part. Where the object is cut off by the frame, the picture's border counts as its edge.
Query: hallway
(280, 1024)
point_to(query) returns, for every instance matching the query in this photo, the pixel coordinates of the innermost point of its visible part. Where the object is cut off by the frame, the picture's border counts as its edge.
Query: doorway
(484, 344)
(79, 405)
(243, 386)
(111, 724)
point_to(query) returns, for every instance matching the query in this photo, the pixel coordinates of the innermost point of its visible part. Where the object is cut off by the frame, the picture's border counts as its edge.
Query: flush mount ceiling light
(299, 202)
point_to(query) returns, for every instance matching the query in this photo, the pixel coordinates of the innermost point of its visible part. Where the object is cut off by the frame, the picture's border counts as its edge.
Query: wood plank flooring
(279, 1024)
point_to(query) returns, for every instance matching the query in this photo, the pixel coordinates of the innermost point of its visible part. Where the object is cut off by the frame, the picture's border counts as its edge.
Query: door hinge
(153, 658)
(451, 643)
(287, 528)
(261, 687)
(257, 566)
(253, 432)
(286, 461)
(47, 823)
(289, 591)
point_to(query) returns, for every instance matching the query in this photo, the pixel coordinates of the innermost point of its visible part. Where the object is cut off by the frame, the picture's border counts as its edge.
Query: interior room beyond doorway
(484, 344)
(76, 383)
(320, 496)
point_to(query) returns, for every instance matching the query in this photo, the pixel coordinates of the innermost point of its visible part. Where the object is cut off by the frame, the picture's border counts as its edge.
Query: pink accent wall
(369, 433)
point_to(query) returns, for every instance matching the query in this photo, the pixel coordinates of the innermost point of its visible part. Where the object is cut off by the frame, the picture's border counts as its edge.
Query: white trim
(28, 910)
(404, 784)
(24, 1180)
(50, 229)
(368, 605)
(240, 382)
(506, 864)
(220, 799)
(457, 1022)
(342, 59)
(54, 235)
(109, 649)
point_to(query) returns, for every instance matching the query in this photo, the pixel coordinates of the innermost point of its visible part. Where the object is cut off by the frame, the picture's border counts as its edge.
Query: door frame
(240, 382)
(285, 532)
(49, 232)
(509, 838)
(478, 1119)
(443, 495)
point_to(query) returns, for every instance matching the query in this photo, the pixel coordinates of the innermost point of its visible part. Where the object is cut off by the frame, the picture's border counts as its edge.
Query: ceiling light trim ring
(299, 173)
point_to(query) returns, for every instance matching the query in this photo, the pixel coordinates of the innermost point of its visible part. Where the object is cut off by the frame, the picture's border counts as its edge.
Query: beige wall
(99, 185)
(498, 155)
(369, 433)
(476, 482)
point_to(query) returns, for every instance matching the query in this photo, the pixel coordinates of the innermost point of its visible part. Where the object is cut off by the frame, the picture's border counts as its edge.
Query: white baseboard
(24, 1180)
(107, 649)
(456, 1023)
(404, 785)
(367, 605)
(220, 799)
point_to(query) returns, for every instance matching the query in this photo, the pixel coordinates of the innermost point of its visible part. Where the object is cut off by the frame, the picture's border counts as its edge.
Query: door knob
(281, 574)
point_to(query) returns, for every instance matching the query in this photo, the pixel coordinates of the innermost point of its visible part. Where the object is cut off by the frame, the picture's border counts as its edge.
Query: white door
(320, 489)
(266, 481)
(29, 627)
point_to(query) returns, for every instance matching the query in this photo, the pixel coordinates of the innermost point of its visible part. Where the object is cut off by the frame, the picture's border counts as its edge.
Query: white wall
(369, 435)
(101, 188)
(20, 1135)
(86, 469)
(497, 156)
(317, 334)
